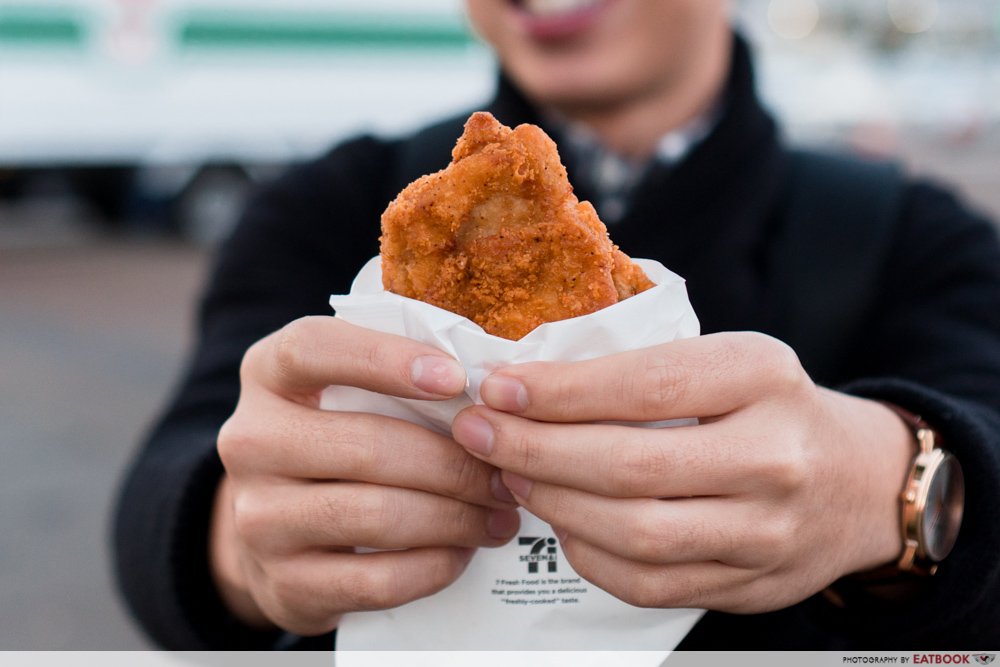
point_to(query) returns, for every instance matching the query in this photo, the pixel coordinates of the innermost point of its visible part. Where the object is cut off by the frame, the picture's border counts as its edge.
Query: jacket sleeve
(933, 347)
(302, 239)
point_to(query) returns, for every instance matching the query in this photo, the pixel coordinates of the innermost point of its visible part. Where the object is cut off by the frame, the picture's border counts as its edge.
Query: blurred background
(131, 132)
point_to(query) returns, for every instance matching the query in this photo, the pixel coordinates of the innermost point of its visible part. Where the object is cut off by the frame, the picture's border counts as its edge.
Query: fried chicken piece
(498, 236)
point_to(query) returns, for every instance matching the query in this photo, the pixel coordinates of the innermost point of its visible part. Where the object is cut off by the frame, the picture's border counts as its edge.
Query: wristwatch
(932, 503)
(933, 500)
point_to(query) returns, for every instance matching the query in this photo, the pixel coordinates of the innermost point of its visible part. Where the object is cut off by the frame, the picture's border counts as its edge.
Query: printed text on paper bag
(543, 590)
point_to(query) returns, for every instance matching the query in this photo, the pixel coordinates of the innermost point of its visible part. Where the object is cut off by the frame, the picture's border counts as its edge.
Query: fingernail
(473, 433)
(501, 392)
(501, 492)
(438, 375)
(503, 524)
(560, 533)
(519, 486)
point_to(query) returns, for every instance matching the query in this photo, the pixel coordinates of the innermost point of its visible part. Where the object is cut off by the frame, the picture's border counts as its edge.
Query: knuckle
(731, 346)
(659, 536)
(790, 469)
(373, 357)
(253, 521)
(659, 382)
(523, 443)
(730, 351)
(387, 513)
(470, 525)
(233, 442)
(288, 596)
(757, 596)
(736, 448)
(691, 595)
(651, 538)
(467, 476)
(634, 466)
(674, 591)
(363, 516)
(291, 349)
(774, 540)
(384, 587)
(559, 507)
(291, 598)
(642, 591)
(444, 570)
(251, 361)
(565, 396)
(368, 589)
(358, 443)
(286, 588)
(784, 368)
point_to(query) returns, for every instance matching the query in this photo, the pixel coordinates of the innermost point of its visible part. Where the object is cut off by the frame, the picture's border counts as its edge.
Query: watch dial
(943, 511)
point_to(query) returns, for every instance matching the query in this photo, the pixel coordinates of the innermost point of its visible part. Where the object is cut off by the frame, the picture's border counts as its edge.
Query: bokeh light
(913, 16)
(793, 19)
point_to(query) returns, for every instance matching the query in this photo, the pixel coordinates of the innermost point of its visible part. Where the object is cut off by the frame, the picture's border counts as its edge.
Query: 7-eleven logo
(542, 550)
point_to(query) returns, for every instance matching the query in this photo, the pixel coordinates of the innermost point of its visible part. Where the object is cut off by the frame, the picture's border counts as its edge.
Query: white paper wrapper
(523, 596)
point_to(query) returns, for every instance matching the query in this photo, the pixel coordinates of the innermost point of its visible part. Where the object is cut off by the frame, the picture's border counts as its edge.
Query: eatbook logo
(986, 658)
(542, 551)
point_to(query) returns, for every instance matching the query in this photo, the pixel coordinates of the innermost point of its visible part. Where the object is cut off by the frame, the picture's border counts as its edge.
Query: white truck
(163, 109)
(195, 81)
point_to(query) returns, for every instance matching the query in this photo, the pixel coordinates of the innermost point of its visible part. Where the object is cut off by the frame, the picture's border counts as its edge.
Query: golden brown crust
(629, 278)
(499, 237)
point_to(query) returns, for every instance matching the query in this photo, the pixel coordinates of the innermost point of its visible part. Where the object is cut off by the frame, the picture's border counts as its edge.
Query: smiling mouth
(553, 8)
(557, 19)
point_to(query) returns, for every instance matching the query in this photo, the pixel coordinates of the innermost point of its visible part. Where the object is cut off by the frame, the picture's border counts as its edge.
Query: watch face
(943, 511)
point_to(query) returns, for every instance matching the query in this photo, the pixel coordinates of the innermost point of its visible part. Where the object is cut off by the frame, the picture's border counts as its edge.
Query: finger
(612, 460)
(696, 377)
(307, 594)
(294, 441)
(313, 353)
(292, 518)
(646, 530)
(704, 585)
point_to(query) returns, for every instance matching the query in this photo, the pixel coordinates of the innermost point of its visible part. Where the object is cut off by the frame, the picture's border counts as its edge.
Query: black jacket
(930, 344)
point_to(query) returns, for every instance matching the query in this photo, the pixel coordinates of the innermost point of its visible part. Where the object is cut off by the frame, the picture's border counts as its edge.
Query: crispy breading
(498, 236)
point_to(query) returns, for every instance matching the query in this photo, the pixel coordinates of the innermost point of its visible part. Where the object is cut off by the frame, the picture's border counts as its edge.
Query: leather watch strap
(892, 581)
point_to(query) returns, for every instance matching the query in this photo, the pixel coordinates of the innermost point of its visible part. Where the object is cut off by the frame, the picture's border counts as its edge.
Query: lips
(551, 8)
(557, 19)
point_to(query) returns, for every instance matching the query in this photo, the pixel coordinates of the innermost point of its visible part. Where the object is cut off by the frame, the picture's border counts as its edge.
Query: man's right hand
(304, 487)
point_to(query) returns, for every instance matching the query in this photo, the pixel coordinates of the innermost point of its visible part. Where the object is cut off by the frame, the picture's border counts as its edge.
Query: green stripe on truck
(43, 30)
(208, 33)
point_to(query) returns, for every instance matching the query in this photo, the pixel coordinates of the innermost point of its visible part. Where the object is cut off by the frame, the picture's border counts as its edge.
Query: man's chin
(584, 98)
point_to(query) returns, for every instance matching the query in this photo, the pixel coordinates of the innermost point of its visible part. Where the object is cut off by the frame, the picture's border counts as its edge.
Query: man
(785, 489)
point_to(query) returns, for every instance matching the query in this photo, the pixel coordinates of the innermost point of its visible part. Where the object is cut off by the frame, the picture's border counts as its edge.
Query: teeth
(553, 7)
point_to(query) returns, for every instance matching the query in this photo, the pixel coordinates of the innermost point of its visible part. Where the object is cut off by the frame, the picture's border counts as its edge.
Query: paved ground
(90, 340)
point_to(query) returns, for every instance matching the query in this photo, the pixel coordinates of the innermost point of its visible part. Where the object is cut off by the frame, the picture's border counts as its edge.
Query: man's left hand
(782, 488)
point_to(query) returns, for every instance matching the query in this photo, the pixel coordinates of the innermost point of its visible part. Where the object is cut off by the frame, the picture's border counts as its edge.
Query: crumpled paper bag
(523, 596)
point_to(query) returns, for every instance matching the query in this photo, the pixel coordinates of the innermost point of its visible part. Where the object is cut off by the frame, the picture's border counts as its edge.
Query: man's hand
(303, 486)
(783, 488)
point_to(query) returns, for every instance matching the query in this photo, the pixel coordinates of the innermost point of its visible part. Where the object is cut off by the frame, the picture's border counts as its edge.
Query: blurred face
(595, 53)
